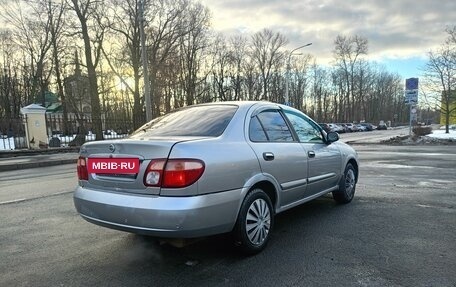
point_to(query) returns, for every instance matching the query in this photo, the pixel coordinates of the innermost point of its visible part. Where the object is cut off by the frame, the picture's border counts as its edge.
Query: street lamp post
(287, 77)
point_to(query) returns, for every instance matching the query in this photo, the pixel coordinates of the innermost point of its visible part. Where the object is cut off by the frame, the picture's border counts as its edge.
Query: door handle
(311, 154)
(268, 156)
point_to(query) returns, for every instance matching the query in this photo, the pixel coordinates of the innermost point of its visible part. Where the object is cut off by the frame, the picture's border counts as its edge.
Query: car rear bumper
(169, 217)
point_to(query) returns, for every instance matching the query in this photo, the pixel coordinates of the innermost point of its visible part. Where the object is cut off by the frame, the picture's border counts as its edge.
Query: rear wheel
(254, 224)
(347, 186)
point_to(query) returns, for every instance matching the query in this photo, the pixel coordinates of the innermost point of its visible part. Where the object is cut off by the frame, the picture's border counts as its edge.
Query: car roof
(238, 103)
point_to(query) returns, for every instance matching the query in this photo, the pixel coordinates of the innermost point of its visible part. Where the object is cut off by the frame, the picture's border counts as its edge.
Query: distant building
(77, 91)
(51, 102)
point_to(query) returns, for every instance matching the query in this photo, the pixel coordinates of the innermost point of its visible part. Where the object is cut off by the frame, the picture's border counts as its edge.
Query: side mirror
(332, 137)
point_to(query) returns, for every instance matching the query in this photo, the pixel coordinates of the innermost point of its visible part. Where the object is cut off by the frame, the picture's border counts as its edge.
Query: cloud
(394, 29)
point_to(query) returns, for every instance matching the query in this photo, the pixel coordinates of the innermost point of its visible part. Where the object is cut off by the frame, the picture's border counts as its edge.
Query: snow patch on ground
(440, 134)
(7, 143)
(437, 137)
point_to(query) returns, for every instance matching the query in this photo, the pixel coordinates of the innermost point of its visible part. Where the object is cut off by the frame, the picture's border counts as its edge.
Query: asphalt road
(374, 136)
(398, 231)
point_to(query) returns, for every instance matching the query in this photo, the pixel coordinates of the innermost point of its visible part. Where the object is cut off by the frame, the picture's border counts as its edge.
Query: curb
(27, 152)
(18, 166)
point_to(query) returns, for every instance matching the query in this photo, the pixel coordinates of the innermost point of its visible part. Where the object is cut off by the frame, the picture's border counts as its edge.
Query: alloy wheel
(258, 221)
(350, 182)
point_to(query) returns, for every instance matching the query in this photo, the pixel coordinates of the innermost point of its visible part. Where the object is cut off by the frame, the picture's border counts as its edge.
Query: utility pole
(411, 98)
(287, 76)
(144, 63)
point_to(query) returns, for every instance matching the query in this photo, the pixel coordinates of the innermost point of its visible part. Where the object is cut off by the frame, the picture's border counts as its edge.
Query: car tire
(347, 186)
(254, 223)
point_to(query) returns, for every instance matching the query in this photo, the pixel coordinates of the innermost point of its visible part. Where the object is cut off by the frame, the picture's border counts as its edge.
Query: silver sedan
(213, 168)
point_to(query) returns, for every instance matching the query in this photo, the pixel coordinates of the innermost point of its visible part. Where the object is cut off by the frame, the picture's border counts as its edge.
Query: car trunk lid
(142, 151)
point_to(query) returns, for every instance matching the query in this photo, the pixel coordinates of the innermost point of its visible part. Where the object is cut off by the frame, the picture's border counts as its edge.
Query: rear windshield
(203, 120)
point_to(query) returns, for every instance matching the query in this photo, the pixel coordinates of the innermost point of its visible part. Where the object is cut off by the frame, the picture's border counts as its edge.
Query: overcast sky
(399, 32)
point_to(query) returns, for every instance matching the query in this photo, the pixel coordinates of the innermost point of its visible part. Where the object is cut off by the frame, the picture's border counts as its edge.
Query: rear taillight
(173, 173)
(154, 172)
(83, 174)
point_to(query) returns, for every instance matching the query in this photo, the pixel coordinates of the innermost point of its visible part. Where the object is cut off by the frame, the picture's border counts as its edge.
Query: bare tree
(8, 82)
(319, 92)
(169, 23)
(221, 70)
(238, 55)
(266, 53)
(125, 53)
(347, 52)
(299, 81)
(440, 77)
(386, 92)
(251, 83)
(92, 29)
(230, 56)
(193, 46)
(32, 33)
(56, 15)
(182, 52)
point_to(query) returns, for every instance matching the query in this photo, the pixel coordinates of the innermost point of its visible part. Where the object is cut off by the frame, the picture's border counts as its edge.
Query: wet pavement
(398, 231)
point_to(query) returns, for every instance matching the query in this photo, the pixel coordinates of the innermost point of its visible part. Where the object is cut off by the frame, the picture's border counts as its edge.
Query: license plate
(113, 165)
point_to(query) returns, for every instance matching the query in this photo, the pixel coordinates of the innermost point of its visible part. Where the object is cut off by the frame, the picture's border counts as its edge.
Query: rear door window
(269, 126)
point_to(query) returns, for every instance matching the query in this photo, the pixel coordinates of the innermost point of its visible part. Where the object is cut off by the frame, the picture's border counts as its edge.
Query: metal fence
(61, 133)
(12, 134)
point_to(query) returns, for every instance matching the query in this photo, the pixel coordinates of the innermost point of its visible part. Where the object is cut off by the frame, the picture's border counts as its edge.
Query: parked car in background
(336, 128)
(345, 128)
(381, 126)
(325, 127)
(213, 168)
(352, 127)
(369, 127)
(361, 128)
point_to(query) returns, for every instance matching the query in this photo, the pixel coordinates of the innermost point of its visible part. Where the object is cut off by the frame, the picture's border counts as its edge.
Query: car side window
(307, 132)
(256, 132)
(273, 125)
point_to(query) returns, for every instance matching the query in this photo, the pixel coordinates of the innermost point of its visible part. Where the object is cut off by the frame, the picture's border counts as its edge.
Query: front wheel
(347, 186)
(254, 224)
